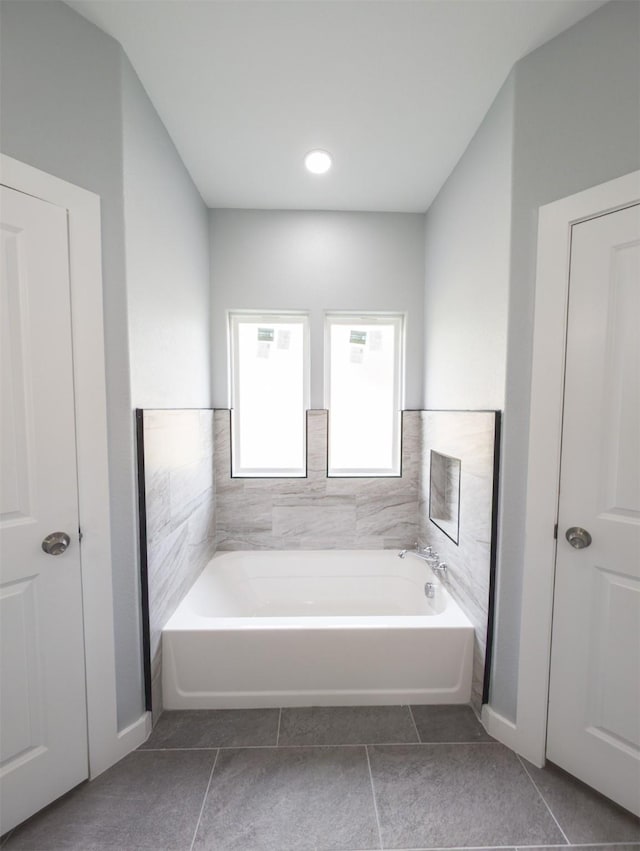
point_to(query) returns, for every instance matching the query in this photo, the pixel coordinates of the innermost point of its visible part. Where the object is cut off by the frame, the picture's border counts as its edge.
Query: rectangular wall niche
(444, 494)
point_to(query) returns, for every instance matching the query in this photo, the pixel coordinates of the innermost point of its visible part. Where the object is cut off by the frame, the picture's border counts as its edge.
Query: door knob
(578, 538)
(56, 543)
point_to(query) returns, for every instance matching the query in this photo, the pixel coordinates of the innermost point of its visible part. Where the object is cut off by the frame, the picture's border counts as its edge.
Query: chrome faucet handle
(440, 570)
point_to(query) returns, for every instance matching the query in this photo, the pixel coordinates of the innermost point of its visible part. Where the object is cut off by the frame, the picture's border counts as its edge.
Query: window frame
(352, 317)
(235, 318)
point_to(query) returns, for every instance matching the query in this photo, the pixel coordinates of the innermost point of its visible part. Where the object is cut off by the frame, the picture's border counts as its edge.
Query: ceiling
(394, 90)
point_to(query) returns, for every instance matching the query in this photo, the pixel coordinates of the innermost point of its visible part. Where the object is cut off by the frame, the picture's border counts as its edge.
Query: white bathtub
(302, 628)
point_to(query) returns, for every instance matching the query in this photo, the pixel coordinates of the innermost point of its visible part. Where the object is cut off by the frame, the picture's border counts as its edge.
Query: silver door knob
(578, 538)
(56, 543)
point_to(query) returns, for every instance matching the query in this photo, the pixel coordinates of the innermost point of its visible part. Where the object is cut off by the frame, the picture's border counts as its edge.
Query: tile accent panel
(180, 516)
(317, 512)
(469, 436)
(193, 506)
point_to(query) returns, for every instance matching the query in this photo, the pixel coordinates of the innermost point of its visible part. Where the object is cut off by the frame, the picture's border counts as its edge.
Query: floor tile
(147, 800)
(456, 796)
(346, 725)
(450, 723)
(215, 728)
(583, 814)
(289, 799)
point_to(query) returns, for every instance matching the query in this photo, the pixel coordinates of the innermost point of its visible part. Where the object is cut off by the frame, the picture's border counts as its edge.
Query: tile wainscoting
(317, 512)
(472, 437)
(194, 506)
(177, 487)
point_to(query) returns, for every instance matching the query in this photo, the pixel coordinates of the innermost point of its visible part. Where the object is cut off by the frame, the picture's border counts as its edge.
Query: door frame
(545, 435)
(106, 744)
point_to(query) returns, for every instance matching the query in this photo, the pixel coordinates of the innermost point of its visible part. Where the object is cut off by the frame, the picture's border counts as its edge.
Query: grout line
(535, 786)
(415, 726)
(312, 745)
(373, 795)
(204, 801)
(278, 733)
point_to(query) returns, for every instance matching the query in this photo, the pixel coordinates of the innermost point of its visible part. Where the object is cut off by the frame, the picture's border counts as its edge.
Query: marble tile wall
(194, 507)
(180, 516)
(469, 436)
(317, 512)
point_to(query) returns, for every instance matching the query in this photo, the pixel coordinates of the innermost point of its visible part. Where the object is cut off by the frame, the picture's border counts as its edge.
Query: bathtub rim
(452, 618)
(185, 619)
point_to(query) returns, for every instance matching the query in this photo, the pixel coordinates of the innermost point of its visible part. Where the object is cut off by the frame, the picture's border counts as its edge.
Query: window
(364, 376)
(269, 393)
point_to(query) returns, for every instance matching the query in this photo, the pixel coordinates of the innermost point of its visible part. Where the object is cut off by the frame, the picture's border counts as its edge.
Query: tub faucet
(432, 558)
(423, 553)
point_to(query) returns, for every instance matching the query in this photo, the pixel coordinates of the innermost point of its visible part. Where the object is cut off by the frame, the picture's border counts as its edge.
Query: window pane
(364, 397)
(269, 396)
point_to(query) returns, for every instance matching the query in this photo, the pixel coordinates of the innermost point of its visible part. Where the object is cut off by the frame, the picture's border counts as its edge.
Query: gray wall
(566, 119)
(167, 257)
(467, 271)
(63, 87)
(61, 112)
(577, 124)
(317, 261)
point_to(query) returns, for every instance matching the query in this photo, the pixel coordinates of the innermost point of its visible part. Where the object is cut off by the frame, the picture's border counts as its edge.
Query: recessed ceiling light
(318, 162)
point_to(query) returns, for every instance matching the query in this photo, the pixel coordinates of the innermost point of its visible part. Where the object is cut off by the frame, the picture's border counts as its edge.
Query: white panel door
(594, 698)
(43, 720)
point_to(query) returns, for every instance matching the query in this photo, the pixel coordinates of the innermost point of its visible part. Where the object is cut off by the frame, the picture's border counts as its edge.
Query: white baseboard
(124, 742)
(499, 727)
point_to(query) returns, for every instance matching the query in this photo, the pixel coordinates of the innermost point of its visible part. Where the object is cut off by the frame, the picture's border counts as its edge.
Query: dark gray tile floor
(435, 796)
(150, 799)
(347, 725)
(327, 779)
(224, 728)
(448, 724)
(285, 799)
(585, 815)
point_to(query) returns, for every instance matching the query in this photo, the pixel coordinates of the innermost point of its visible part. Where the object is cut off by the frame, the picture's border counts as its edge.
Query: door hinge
(79, 533)
(555, 532)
